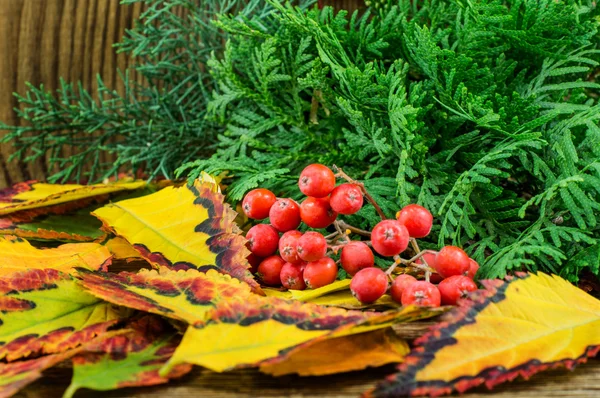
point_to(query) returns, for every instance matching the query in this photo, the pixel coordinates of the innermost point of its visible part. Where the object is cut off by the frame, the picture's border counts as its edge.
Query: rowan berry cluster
(284, 256)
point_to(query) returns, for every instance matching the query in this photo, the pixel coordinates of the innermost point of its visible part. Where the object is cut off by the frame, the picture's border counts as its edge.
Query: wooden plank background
(44, 40)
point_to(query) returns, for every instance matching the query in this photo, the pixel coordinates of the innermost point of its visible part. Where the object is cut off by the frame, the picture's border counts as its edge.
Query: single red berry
(316, 180)
(389, 238)
(285, 215)
(287, 246)
(369, 284)
(399, 285)
(427, 258)
(355, 256)
(417, 219)
(451, 260)
(312, 246)
(254, 261)
(473, 268)
(269, 270)
(257, 203)
(346, 199)
(455, 287)
(317, 213)
(263, 240)
(320, 273)
(291, 276)
(421, 293)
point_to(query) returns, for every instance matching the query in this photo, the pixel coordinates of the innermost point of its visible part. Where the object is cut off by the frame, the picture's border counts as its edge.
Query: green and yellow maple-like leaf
(33, 195)
(513, 328)
(46, 311)
(231, 326)
(186, 227)
(127, 360)
(17, 254)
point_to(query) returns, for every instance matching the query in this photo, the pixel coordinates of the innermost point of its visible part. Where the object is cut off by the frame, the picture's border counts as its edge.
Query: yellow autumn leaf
(341, 354)
(309, 295)
(515, 328)
(186, 227)
(17, 254)
(32, 195)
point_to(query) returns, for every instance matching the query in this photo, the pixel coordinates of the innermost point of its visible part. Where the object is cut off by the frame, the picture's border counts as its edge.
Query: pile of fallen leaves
(188, 298)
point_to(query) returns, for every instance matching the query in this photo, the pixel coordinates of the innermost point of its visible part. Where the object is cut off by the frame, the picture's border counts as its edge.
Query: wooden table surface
(583, 382)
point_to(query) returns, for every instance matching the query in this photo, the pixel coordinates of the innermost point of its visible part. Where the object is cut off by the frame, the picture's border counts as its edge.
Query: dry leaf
(127, 360)
(32, 195)
(46, 311)
(342, 354)
(186, 227)
(16, 254)
(513, 328)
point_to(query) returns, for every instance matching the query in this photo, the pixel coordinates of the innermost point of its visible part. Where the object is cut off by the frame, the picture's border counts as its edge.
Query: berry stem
(397, 261)
(343, 225)
(340, 173)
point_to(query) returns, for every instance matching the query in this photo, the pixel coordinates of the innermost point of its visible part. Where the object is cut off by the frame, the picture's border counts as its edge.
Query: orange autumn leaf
(341, 354)
(46, 312)
(517, 327)
(186, 227)
(17, 254)
(33, 195)
(122, 250)
(130, 359)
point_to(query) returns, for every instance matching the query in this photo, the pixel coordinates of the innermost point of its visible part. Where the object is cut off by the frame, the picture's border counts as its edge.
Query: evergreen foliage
(485, 111)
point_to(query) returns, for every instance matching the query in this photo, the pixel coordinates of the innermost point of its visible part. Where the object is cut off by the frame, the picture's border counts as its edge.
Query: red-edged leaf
(46, 311)
(513, 328)
(186, 227)
(127, 360)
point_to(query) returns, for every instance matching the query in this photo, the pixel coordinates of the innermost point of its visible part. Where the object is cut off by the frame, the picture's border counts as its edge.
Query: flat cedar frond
(486, 112)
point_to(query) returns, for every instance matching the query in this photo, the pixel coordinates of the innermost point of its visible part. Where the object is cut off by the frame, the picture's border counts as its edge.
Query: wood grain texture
(44, 40)
(583, 382)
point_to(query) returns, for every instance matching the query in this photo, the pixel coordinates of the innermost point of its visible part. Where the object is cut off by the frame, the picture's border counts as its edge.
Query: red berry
(369, 284)
(285, 215)
(316, 212)
(320, 273)
(263, 240)
(455, 287)
(316, 180)
(428, 258)
(257, 203)
(291, 276)
(355, 256)
(451, 260)
(473, 268)
(421, 293)
(269, 270)
(417, 219)
(287, 246)
(312, 246)
(254, 261)
(389, 238)
(346, 199)
(399, 285)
